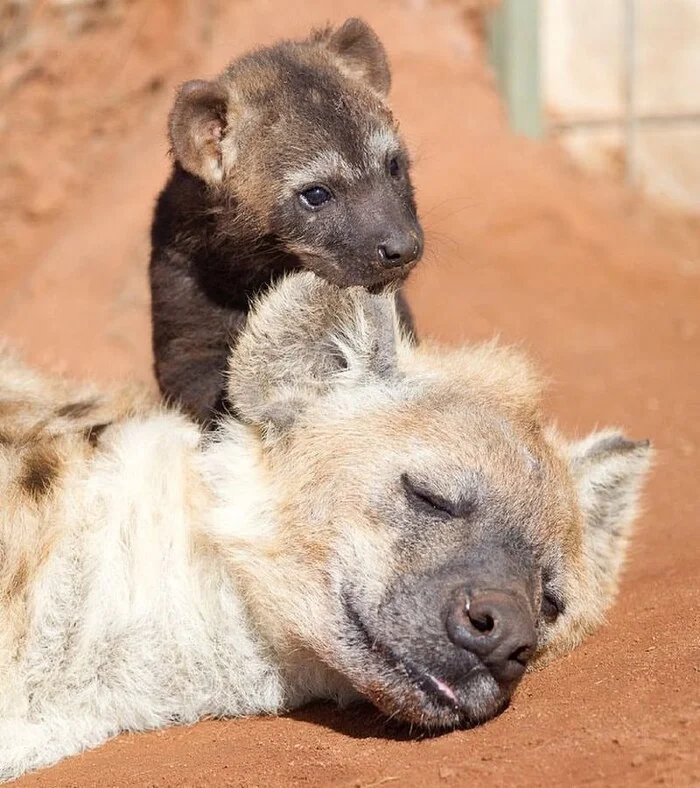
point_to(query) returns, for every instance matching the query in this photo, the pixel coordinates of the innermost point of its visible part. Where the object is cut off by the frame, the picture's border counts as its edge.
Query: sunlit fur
(152, 576)
(247, 147)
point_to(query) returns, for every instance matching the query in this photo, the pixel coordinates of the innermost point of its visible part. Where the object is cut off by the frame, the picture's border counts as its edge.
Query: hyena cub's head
(434, 538)
(299, 148)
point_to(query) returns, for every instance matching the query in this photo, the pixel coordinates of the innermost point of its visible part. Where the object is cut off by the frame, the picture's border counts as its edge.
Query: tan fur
(149, 574)
(48, 428)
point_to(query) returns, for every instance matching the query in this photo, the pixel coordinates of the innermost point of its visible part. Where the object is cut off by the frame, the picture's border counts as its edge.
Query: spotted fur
(150, 576)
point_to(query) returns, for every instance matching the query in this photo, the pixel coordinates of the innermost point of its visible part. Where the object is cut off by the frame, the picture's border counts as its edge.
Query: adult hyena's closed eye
(289, 160)
(382, 521)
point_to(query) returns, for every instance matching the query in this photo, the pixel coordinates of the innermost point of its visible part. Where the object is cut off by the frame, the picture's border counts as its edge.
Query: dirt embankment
(603, 291)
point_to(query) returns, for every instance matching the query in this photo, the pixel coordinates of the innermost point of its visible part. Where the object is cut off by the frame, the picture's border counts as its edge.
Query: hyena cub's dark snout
(394, 235)
(397, 249)
(367, 234)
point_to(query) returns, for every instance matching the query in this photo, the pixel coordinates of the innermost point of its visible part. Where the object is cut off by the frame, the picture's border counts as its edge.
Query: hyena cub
(290, 159)
(382, 521)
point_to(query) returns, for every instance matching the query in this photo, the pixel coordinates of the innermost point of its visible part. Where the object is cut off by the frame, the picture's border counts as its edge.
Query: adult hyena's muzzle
(496, 626)
(448, 648)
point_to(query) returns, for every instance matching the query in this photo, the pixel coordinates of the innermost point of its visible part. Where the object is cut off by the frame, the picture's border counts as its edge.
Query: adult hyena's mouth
(410, 692)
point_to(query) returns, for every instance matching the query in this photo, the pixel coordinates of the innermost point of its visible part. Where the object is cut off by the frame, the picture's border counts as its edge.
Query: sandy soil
(603, 291)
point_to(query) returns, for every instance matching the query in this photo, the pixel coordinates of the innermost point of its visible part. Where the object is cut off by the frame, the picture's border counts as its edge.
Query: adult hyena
(382, 521)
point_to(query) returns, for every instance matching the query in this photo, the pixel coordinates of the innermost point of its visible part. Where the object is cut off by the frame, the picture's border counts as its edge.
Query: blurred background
(614, 81)
(558, 179)
(604, 92)
(600, 92)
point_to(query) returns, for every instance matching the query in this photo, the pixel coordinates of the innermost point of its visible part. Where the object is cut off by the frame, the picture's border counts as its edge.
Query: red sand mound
(604, 293)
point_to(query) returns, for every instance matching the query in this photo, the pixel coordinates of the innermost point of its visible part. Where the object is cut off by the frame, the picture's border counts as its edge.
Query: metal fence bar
(629, 44)
(514, 37)
(608, 123)
(514, 29)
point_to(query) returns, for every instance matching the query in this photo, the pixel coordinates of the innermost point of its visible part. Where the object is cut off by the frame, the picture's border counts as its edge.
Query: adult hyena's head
(299, 148)
(433, 539)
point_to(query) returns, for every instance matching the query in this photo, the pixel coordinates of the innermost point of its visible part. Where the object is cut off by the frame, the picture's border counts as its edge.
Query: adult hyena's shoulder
(50, 433)
(34, 407)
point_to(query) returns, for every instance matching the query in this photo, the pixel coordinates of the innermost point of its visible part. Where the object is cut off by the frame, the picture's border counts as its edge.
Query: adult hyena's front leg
(26, 746)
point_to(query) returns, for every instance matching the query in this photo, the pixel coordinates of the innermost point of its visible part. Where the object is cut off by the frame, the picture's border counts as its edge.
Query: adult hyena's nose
(497, 627)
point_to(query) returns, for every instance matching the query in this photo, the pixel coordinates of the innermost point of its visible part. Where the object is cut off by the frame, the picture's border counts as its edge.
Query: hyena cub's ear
(197, 125)
(304, 338)
(359, 53)
(609, 471)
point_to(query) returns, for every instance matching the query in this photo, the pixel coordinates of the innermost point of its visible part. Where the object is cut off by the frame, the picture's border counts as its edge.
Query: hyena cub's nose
(399, 249)
(495, 626)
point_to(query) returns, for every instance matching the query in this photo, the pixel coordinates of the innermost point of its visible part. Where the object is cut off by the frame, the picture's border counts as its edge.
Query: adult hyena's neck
(136, 605)
(243, 524)
(202, 649)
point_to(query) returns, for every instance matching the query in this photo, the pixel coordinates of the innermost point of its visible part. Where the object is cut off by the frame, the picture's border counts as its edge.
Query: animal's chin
(410, 693)
(346, 274)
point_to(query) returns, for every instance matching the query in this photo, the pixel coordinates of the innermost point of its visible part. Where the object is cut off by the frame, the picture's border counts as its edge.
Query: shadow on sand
(360, 721)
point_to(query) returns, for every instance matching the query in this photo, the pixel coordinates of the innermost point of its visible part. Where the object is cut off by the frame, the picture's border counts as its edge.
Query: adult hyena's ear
(197, 125)
(609, 471)
(303, 339)
(360, 54)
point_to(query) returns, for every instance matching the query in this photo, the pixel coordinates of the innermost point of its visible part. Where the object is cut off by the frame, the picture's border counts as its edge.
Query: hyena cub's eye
(419, 497)
(394, 167)
(315, 197)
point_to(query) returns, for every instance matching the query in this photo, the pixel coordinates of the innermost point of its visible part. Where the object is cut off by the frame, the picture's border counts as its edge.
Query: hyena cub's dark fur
(291, 159)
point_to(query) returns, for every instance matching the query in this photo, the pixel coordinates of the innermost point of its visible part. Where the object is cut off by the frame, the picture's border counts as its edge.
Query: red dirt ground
(603, 291)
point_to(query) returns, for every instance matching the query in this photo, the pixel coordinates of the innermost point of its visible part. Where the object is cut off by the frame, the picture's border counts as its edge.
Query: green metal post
(514, 43)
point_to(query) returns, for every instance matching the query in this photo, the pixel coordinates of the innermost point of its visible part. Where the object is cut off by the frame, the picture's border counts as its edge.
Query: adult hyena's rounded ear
(303, 339)
(609, 470)
(359, 53)
(197, 125)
